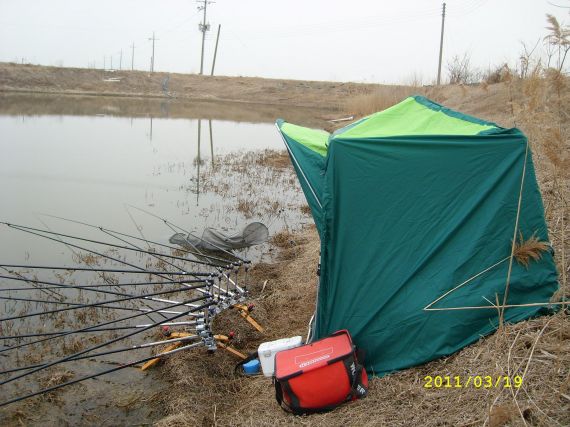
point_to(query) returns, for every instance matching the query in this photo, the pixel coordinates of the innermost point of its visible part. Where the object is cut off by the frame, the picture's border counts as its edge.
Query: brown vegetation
(530, 249)
(141, 84)
(205, 391)
(536, 350)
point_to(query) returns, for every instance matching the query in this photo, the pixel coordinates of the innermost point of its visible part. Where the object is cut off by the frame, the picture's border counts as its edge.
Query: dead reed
(530, 249)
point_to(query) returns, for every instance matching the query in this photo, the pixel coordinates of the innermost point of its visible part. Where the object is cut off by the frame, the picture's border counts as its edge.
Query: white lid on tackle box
(267, 351)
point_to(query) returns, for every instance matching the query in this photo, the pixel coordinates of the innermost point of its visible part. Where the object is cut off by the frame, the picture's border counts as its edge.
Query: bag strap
(354, 370)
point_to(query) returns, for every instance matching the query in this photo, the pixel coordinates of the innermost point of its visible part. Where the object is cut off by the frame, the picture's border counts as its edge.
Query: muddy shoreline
(41, 104)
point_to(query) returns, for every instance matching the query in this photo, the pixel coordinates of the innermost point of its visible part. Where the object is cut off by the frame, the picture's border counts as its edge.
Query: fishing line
(108, 231)
(168, 223)
(138, 238)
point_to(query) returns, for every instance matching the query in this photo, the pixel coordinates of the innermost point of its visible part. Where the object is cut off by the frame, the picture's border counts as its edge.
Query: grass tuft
(530, 249)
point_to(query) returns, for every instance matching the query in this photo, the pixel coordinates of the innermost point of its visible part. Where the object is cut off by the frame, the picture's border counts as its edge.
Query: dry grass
(305, 209)
(530, 249)
(278, 159)
(205, 392)
(283, 239)
(203, 387)
(538, 350)
(52, 379)
(370, 100)
(246, 207)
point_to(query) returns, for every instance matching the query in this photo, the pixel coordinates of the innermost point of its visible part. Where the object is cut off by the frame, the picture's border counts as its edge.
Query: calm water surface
(196, 173)
(91, 168)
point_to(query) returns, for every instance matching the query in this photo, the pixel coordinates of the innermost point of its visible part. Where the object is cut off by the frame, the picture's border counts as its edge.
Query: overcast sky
(356, 40)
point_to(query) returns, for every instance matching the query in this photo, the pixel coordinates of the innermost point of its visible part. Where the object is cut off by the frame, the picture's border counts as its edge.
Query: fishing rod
(130, 334)
(105, 353)
(15, 347)
(108, 230)
(200, 253)
(101, 275)
(228, 267)
(20, 275)
(107, 270)
(123, 366)
(32, 230)
(109, 292)
(74, 304)
(95, 304)
(154, 254)
(183, 283)
(114, 328)
(98, 242)
(168, 223)
(159, 257)
(98, 253)
(88, 287)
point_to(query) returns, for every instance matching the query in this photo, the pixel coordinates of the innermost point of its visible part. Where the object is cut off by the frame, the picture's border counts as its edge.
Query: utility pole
(198, 164)
(111, 56)
(133, 57)
(203, 28)
(152, 57)
(121, 60)
(216, 49)
(104, 62)
(441, 45)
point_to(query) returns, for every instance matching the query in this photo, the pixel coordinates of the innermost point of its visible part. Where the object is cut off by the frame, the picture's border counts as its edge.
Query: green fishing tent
(416, 207)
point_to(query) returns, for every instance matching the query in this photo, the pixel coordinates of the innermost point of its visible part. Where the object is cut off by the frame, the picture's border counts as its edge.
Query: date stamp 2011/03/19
(474, 381)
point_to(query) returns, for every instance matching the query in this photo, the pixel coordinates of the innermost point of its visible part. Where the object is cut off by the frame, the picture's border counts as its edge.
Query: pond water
(102, 170)
(92, 168)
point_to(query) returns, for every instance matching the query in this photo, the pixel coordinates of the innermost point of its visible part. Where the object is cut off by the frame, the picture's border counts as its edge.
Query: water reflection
(88, 168)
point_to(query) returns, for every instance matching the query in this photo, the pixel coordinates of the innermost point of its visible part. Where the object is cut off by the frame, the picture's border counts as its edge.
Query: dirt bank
(80, 81)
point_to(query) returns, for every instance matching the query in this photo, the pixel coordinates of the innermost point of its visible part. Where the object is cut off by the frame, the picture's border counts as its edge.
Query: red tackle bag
(320, 376)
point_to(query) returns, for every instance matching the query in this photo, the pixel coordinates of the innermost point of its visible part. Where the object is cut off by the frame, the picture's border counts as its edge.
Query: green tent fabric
(416, 208)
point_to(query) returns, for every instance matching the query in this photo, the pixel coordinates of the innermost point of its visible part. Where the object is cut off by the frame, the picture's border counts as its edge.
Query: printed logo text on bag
(304, 360)
(310, 362)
